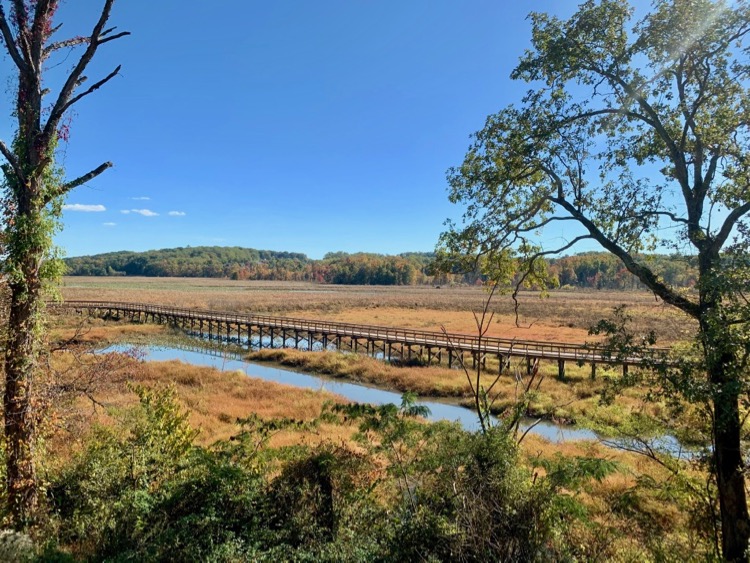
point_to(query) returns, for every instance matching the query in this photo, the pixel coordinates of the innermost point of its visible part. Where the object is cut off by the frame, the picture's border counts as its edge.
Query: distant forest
(598, 270)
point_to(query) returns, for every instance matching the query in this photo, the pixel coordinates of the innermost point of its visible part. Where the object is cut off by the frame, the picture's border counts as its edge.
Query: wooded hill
(598, 270)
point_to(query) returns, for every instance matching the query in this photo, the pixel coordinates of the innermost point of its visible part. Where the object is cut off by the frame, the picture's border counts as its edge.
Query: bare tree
(32, 201)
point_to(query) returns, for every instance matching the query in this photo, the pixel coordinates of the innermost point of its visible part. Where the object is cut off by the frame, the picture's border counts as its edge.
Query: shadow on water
(256, 342)
(225, 359)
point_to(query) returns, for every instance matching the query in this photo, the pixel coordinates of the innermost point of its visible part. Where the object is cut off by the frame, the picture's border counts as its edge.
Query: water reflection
(225, 360)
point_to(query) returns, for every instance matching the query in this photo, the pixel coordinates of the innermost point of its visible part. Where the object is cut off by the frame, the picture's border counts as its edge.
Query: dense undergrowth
(403, 490)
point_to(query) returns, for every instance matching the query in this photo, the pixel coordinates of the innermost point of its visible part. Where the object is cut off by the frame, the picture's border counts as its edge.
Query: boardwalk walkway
(385, 342)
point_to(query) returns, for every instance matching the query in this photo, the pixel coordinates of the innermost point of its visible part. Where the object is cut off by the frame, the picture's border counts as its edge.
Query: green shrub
(103, 500)
(456, 495)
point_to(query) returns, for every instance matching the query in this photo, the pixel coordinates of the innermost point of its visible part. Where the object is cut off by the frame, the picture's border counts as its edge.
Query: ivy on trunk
(33, 190)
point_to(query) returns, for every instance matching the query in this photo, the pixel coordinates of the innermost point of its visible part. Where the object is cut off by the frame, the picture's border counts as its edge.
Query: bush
(418, 492)
(456, 495)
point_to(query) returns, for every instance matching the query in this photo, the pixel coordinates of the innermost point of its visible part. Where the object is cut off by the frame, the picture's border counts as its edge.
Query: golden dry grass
(565, 316)
(93, 330)
(434, 381)
(574, 400)
(213, 399)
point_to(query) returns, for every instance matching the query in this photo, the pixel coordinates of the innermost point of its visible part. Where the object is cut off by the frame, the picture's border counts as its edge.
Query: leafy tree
(33, 190)
(635, 136)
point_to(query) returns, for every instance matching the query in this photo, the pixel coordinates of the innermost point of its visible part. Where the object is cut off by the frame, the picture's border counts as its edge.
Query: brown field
(214, 400)
(575, 400)
(564, 316)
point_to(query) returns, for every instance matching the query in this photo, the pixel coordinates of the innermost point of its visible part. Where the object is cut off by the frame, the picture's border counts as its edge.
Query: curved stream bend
(227, 361)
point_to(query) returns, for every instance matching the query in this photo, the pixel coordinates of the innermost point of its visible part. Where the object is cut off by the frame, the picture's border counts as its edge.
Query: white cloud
(177, 213)
(142, 198)
(109, 224)
(144, 212)
(83, 207)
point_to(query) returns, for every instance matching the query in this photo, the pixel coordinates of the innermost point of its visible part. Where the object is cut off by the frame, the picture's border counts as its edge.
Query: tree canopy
(634, 136)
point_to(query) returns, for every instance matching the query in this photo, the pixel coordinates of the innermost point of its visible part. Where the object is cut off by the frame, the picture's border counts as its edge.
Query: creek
(225, 360)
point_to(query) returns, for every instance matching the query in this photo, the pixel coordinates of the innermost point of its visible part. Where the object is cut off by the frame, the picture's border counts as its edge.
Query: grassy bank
(577, 400)
(573, 401)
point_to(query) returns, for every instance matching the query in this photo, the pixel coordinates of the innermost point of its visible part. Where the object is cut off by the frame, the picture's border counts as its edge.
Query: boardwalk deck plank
(462, 343)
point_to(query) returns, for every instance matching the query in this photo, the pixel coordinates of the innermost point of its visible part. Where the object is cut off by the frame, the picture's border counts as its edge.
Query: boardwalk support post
(392, 343)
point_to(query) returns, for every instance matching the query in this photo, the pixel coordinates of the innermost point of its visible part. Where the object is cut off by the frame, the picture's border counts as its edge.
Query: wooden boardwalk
(388, 343)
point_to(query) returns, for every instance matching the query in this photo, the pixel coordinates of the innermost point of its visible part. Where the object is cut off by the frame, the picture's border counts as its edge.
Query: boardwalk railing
(455, 342)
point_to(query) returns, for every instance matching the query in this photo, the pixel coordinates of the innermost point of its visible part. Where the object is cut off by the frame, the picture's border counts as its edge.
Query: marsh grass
(564, 316)
(573, 401)
(214, 399)
(577, 400)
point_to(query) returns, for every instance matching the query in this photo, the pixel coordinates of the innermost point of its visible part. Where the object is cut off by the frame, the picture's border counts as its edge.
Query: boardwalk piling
(386, 342)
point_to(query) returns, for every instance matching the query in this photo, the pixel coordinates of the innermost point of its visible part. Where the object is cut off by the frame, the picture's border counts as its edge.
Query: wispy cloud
(84, 207)
(144, 212)
(142, 198)
(109, 224)
(177, 213)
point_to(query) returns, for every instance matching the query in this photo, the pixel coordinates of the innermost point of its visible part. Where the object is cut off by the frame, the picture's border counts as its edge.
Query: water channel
(225, 360)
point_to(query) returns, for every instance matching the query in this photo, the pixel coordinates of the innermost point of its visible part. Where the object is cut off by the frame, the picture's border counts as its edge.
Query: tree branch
(653, 120)
(544, 223)
(669, 214)
(711, 172)
(610, 111)
(644, 274)
(533, 259)
(85, 178)
(13, 161)
(113, 37)
(22, 21)
(65, 188)
(72, 42)
(728, 225)
(93, 87)
(61, 104)
(10, 42)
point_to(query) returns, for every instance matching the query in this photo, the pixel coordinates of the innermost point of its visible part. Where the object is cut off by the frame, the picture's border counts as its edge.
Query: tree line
(595, 270)
(602, 270)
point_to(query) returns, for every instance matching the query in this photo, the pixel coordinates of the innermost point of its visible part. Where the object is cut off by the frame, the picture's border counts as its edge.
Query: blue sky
(283, 125)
